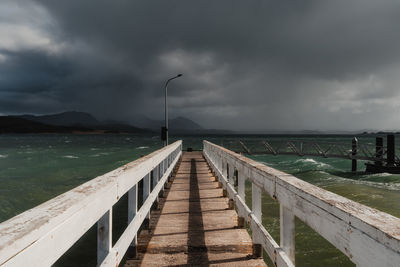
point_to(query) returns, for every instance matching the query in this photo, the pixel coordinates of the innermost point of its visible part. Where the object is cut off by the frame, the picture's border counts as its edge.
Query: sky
(246, 65)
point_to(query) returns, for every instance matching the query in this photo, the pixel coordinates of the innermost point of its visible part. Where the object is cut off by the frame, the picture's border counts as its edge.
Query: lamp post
(165, 129)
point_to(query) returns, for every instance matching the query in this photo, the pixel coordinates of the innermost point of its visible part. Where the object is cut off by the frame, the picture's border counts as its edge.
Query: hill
(9, 124)
(70, 121)
(69, 118)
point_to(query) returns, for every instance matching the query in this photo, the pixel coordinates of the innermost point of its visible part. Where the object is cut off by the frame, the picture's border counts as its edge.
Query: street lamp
(164, 130)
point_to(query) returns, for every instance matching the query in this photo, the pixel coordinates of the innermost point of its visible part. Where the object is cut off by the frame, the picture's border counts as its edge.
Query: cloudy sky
(327, 65)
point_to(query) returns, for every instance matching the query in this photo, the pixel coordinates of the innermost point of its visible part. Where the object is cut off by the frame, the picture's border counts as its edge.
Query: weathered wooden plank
(195, 226)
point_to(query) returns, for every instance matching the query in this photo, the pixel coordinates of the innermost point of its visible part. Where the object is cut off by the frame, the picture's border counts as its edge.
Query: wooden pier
(195, 225)
(201, 218)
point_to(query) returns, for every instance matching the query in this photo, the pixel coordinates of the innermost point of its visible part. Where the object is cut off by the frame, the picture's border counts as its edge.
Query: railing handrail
(367, 236)
(42, 234)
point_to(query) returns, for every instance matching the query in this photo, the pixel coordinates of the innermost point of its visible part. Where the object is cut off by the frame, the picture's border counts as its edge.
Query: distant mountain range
(82, 122)
(70, 118)
(178, 125)
(10, 124)
(66, 122)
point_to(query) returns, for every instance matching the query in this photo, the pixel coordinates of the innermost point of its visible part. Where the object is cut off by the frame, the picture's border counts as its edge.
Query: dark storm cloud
(246, 64)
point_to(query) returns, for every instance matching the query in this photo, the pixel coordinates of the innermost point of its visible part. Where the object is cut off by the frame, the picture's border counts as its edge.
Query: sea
(35, 168)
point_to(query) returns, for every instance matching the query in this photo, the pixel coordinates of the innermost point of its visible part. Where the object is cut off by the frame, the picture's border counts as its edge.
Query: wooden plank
(195, 226)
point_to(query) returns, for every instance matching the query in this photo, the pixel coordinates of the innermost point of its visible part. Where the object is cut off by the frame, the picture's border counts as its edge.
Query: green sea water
(36, 168)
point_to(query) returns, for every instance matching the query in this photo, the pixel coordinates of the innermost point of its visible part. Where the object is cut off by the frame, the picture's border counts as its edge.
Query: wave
(3, 156)
(142, 147)
(309, 161)
(381, 185)
(70, 157)
(100, 154)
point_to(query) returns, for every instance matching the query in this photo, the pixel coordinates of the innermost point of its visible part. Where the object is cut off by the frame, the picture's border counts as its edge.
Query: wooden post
(242, 195)
(231, 171)
(104, 236)
(354, 144)
(390, 150)
(156, 178)
(379, 150)
(241, 186)
(146, 193)
(287, 231)
(132, 210)
(256, 209)
(224, 170)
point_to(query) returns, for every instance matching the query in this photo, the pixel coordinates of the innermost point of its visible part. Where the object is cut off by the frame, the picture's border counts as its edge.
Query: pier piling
(354, 144)
(379, 151)
(390, 150)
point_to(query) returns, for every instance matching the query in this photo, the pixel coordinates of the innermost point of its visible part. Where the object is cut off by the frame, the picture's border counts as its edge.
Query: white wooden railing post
(242, 194)
(231, 171)
(104, 236)
(156, 178)
(224, 168)
(132, 210)
(287, 232)
(146, 193)
(257, 211)
(241, 185)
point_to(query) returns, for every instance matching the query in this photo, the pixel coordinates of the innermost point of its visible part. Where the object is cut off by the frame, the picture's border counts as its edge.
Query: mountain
(70, 121)
(122, 128)
(182, 123)
(176, 124)
(10, 124)
(69, 118)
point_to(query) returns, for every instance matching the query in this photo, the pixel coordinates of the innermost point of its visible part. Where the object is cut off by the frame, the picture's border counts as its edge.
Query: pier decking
(196, 226)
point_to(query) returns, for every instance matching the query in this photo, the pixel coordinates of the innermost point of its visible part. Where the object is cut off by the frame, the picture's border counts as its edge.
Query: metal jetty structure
(381, 158)
(201, 216)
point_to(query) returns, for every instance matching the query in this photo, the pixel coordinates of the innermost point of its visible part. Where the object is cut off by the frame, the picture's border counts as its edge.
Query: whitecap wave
(381, 185)
(383, 174)
(313, 162)
(142, 147)
(70, 157)
(100, 154)
(3, 156)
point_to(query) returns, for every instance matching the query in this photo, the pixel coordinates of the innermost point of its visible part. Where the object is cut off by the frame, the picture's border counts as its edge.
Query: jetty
(193, 212)
(380, 158)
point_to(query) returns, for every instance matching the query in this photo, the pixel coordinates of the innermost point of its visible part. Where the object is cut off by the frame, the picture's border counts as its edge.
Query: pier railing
(366, 236)
(39, 236)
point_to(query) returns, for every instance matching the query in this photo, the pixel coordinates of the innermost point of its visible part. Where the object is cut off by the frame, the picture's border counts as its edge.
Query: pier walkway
(195, 226)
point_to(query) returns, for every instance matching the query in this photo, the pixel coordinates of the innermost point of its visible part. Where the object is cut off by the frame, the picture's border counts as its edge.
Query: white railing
(39, 236)
(365, 235)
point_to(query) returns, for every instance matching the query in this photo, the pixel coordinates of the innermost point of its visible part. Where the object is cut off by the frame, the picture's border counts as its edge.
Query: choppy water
(36, 168)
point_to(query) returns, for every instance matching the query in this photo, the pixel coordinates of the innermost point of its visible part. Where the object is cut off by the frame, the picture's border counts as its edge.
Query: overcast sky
(288, 65)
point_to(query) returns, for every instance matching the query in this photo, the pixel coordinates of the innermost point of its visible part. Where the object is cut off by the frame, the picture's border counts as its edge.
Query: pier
(194, 213)
(381, 158)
